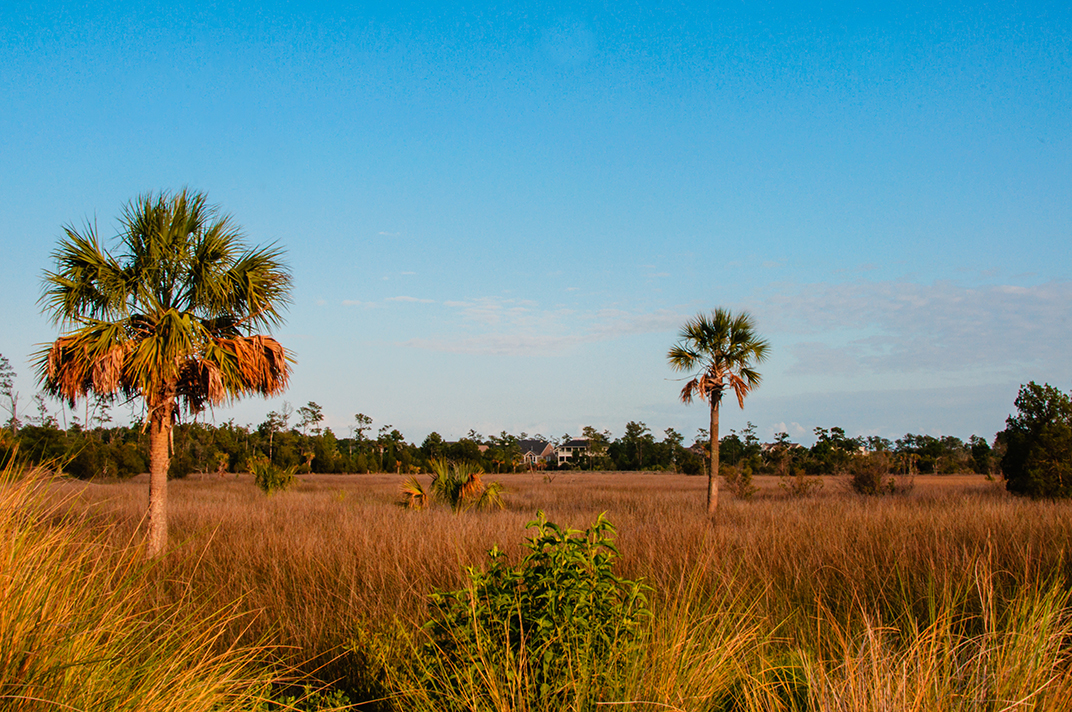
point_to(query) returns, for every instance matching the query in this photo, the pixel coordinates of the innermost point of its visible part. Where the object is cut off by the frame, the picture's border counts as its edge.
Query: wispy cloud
(499, 344)
(520, 327)
(390, 234)
(498, 312)
(409, 299)
(816, 358)
(905, 327)
(612, 323)
(858, 269)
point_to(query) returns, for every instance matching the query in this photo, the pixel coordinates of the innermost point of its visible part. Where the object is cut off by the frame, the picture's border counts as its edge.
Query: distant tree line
(1034, 452)
(91, 447)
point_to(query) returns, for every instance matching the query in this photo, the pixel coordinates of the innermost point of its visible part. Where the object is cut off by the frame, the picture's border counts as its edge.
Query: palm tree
(720, 349)
(168, 318)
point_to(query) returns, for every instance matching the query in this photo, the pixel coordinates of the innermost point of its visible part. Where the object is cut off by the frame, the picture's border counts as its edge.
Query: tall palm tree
(168, 317)
(720, 349)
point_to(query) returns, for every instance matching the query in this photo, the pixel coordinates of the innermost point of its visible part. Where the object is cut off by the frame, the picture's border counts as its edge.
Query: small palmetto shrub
(457, 484)
(270, 477)
(553, 631)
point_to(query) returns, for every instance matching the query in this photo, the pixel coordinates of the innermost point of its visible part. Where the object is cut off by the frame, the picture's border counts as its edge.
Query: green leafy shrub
(549, 632)
(310, 700)
(270, 477)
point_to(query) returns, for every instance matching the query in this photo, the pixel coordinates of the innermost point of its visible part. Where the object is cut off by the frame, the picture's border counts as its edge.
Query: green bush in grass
(270, 477)
(548, 632)
(1038, 443)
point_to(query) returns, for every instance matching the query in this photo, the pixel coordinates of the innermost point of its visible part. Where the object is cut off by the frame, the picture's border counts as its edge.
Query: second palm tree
(720, 350)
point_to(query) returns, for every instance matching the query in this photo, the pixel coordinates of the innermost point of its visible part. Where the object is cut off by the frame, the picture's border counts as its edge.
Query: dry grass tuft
(85, 626)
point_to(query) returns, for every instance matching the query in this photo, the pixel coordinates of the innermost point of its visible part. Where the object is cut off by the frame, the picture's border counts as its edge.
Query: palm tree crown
(720, 349)
(723, 348)
(169, 318)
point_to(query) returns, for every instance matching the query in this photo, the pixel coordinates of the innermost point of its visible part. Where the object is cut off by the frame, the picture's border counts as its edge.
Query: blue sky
(498, 216)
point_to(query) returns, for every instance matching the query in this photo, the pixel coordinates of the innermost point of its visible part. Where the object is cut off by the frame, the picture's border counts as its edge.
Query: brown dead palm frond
(253, 364)
(201, 383)
(109, 369)
(473, 486)
(76, 365)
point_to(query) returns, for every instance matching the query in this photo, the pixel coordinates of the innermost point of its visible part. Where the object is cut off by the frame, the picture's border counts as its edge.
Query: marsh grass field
(952, 596)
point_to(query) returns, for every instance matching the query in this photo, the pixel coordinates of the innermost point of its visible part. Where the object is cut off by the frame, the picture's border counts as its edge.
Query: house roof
(537, 447)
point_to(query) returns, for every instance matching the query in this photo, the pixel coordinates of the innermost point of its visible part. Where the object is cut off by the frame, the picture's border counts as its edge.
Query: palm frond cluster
(457, 484)
(723, 347)
(168, 317)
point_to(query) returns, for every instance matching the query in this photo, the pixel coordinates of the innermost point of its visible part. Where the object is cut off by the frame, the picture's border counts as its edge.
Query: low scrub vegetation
(270, 477)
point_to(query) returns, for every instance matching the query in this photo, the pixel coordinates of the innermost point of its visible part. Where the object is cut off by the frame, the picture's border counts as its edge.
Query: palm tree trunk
(712, 474)
(159, 461)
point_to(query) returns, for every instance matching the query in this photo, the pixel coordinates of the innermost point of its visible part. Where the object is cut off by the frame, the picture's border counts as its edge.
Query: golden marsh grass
(849, 594)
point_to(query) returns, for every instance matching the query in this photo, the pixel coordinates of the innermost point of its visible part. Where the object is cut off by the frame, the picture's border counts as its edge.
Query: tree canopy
(1038, 443)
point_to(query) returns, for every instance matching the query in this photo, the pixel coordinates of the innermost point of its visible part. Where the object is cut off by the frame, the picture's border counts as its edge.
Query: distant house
(570, 448)
(534, 452)
(771, 447)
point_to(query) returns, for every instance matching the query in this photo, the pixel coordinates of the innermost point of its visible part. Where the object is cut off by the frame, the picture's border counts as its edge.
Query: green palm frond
(88, 282)
(491, 496)
(259, 286)
(440, 467)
